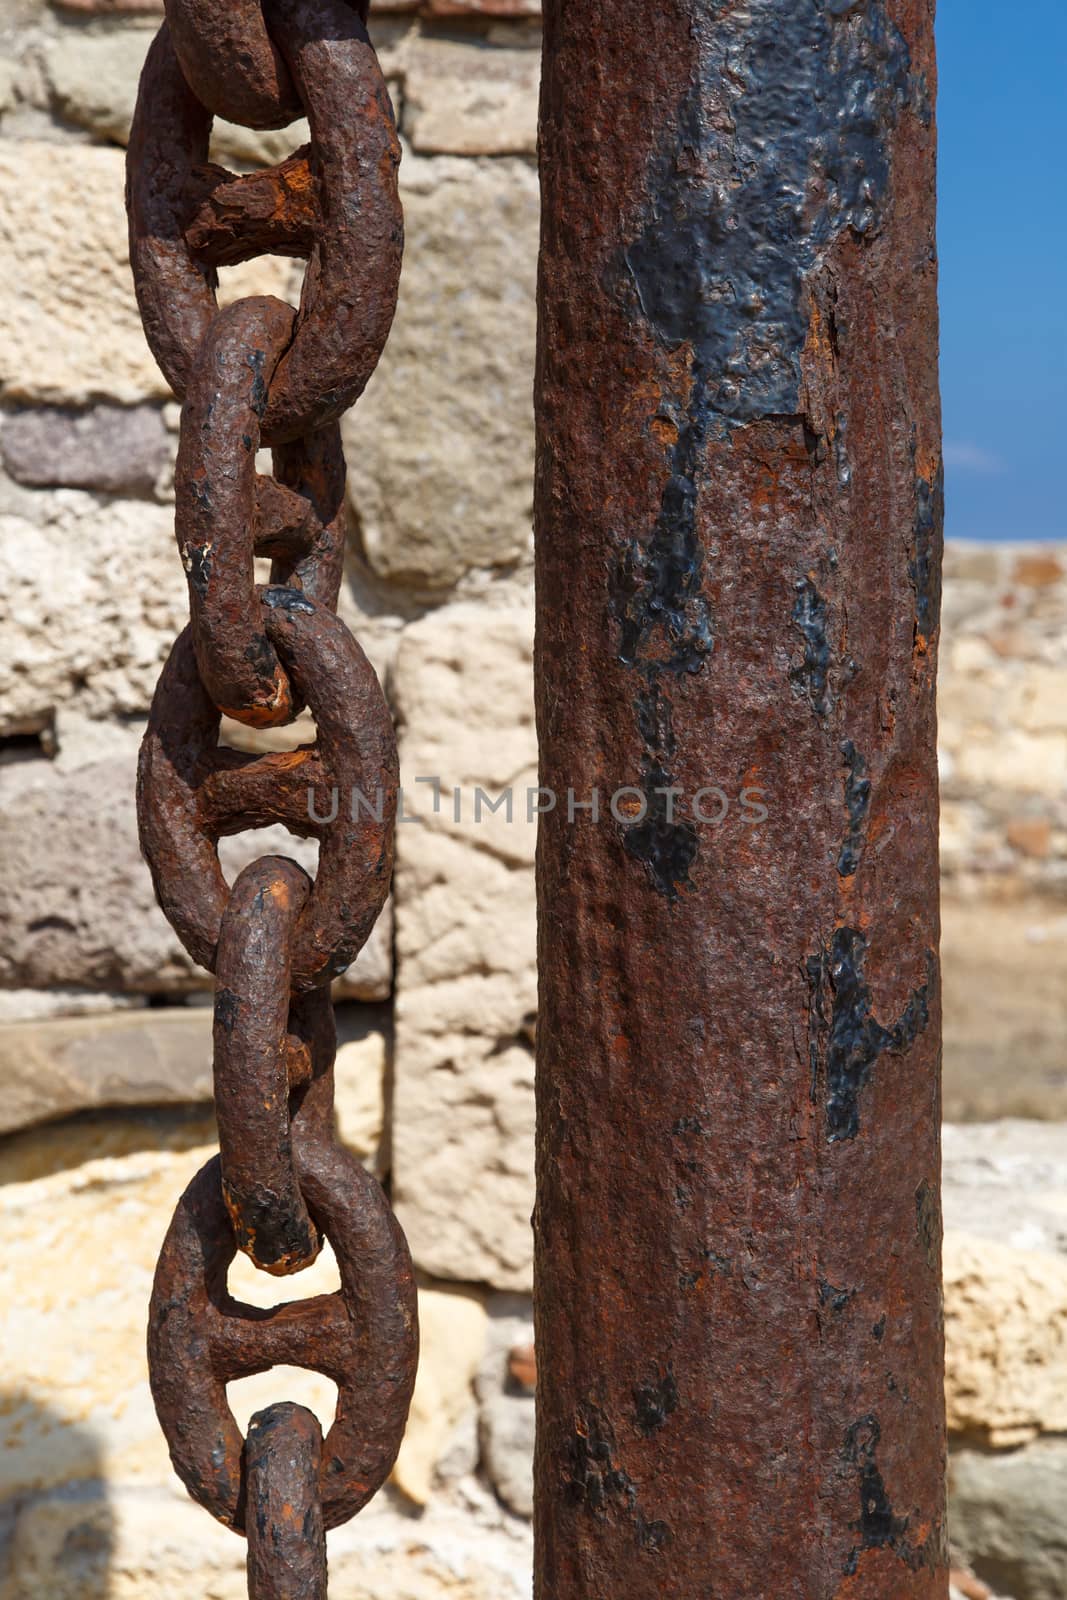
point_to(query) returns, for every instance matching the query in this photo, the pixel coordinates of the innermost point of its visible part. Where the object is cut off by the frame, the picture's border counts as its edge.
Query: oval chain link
(259, 373)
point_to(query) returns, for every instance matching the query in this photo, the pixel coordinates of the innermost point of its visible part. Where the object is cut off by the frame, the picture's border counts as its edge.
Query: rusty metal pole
(738, 556)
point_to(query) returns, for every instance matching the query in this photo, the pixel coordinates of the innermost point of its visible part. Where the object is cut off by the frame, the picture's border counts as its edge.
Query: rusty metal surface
(363, 1337)
(350, 287)
(231, 63)
(260, 372)
(738, 557)
(255, 1069)
(342, 791)
(286, 1538)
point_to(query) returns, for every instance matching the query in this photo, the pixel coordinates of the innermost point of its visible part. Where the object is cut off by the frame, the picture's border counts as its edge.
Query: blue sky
(1003, 239)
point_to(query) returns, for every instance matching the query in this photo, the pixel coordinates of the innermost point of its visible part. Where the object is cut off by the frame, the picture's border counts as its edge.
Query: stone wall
(104, 1024)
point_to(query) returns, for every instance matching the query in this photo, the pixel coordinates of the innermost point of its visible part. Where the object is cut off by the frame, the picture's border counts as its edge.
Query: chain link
(258, 373)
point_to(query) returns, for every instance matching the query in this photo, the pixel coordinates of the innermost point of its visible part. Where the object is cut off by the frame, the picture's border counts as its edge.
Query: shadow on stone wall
(56, 1542)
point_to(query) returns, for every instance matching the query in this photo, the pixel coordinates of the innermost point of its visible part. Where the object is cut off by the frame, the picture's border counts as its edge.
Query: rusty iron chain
(257, 373)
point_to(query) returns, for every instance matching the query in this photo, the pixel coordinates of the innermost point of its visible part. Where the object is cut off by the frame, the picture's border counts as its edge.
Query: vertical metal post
(738, 556)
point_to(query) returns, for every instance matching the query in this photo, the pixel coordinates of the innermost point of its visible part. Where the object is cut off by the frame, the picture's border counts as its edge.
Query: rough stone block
(72, 332)
(1006, 1511)
(67, 306)
(1006, 1332)
(82, 912)
(111, 8)
(440, 448)
(452, 1327)
(467, 98)
(506, 1403)
(1005, 1000)
(1005, 1200)
(150, 1056)
(118, 450)
(161, 1055)
(359, 1081)
(42, 1005)
(96, 597)
(92, 80)
(466, 980)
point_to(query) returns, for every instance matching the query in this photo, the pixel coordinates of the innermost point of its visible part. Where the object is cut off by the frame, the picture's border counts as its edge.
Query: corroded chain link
(258, 373)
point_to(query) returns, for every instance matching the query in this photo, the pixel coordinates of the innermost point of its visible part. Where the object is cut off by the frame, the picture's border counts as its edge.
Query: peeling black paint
(878, 1526)
(857, 804)
(226, 1008)
(665, 628)
(743, 208)
(259, 653)
(666, 847)
(878, 1331)
(258, 394)
(924, 569)
(593, 1477)
(780, 146)
(590, 1471)
(655, 1402)
(809, 616)
(654, 1536)
(844, 1050)
(283, 599)
(663, 617)
(198, 566)
(200, 488)
(832, 1298)
(663, 841)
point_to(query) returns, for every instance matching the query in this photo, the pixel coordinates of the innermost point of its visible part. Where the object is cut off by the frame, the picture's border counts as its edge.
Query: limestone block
(489, 8)
(440, 448)
(110, 449)
(8, 76)
(67, 306)
(81, 1247)
(96, 597)
(452, 1328)
(87, 1207)
(1006, 1333)
(1036, 762)
(1005, 1002)
(72, 332)
(1005, 1200)
(150, 1056)
(111, 8)
(506, 1403)
(93, 81)
(38, 1005)
(509, 10)
(466, 978)
(470, 99)
(359, 1081)
(1038, 568)
(1044, 708)
(1006, 1512)
(76, 902)
(1007, 1181)
(161, 1055)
